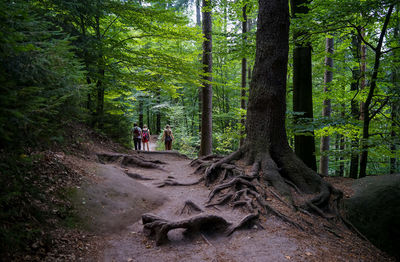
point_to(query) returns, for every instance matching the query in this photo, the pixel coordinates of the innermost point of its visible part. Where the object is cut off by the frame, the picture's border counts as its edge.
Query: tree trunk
(244, 68)
(158, 113)
(326, 111)
(355, 112)
(206, 117)
(198, 24)
(141, 112)
(393, 159)
(302, 91)
(395, 104)
(366, 109)
(266, 147)
(99, 83)
(266, 140)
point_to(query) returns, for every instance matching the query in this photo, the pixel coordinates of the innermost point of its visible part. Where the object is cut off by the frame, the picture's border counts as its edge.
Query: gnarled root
(170, 181)
(190, 207)
(130, 160)
(283, 172)
(137, 176)
(158, 227)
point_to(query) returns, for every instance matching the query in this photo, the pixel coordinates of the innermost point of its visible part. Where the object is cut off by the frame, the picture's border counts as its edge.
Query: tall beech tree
(355, 111)
(326, 111)
(304, 144)
(244, 68)
(206, 116)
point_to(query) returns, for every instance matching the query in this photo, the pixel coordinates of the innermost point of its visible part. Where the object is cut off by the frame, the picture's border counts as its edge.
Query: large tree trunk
(326, 111)
(266, 140)
(244, 68)
(266, 147)
(206, 117)
(302, 90)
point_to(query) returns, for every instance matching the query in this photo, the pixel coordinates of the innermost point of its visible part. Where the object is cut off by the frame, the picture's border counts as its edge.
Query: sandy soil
(118, 201)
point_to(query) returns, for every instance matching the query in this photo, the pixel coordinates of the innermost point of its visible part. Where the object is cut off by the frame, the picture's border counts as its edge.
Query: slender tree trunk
(302, 91)
(340, 148)
(366, 109)
(206, 117)
(395, 104)
(244, 68)
(141, 112)
(100, 77)
(198, 24)
(148, 116)
(393, 159)
(326, 111)
(158, 113)
(355, 112)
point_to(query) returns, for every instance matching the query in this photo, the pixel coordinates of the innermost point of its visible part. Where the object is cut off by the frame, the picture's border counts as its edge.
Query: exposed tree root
(137, 176)
(158, 227)
(190, 207)
(170, 181)
(130, 160)
(250, 191)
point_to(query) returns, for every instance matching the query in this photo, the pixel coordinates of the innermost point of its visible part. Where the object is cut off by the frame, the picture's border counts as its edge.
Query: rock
(375, 211)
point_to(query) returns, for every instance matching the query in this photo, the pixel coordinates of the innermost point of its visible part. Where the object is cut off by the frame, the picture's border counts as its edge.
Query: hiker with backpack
(145, 137)
(168, 137)
(137, 136)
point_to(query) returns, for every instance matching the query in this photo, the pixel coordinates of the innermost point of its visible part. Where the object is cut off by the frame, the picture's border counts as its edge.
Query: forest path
(123, 199)
(130, 244)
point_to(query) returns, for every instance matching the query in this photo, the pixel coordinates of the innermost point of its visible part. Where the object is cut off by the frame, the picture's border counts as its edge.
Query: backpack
(146, 134)
(136, 132)
(168, 137)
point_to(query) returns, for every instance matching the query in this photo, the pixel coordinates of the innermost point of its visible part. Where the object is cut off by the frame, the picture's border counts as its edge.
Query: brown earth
(111, 203)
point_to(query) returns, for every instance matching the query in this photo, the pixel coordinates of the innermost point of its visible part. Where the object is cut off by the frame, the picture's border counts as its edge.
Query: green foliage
(40, 77)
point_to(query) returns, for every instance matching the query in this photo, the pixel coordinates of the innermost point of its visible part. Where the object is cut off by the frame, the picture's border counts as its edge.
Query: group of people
(142, 136)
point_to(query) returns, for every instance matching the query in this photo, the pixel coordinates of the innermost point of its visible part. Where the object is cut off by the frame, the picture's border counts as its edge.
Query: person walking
(137, 136)
(145, 137)
(168, 137)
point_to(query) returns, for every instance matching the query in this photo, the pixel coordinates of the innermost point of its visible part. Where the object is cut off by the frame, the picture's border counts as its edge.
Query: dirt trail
(276, 241)
(252, 245)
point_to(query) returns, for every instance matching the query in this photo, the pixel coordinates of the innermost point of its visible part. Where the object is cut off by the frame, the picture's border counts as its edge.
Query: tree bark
(366, 106)
(141, 112)
(158, 113)
(206, 117)
(198, 24)
(326, 111)
(302, 90)
(395, 104)
(266, 140)
(244, 68)
(355, 112)
(99, 83)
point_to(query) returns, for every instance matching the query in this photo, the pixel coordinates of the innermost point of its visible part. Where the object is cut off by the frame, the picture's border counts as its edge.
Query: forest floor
(111, 201)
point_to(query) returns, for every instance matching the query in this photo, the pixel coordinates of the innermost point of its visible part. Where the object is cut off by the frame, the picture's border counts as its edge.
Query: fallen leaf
(308, 254)
(288, 257)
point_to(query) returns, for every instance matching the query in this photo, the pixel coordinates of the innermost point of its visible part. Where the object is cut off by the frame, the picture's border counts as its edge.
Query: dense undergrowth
(32, 201)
